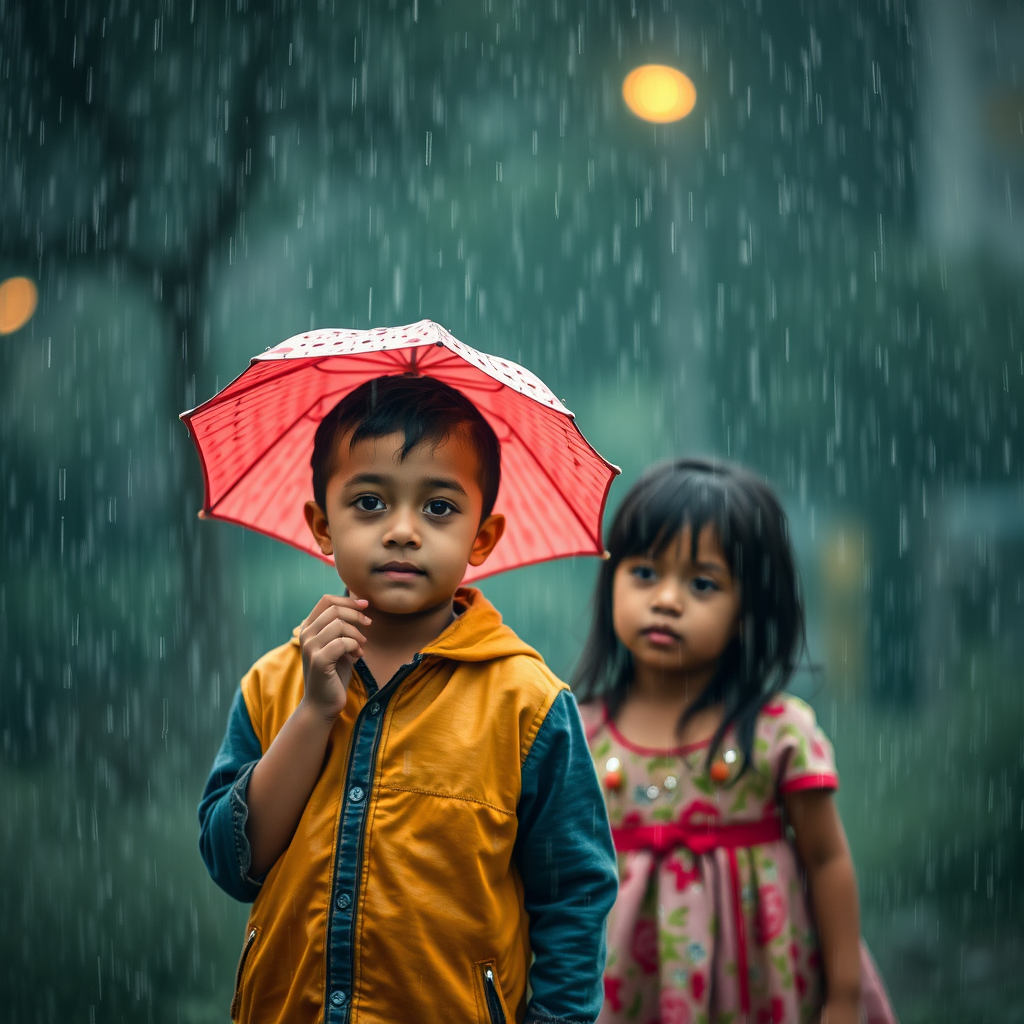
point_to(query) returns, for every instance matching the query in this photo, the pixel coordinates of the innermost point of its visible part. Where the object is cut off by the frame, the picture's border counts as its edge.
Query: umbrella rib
(559, 491)
(302, 364)
(266, 451)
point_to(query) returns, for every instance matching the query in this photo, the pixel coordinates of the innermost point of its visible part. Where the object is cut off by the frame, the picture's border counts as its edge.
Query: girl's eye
(704, 585)
(369, 503)
(439, 508)
(645, 573)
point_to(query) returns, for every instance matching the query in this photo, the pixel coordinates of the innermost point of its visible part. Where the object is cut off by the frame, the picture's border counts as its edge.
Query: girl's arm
(821, 843)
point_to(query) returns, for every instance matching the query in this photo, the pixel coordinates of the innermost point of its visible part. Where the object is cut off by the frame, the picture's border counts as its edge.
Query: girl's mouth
(661, 636)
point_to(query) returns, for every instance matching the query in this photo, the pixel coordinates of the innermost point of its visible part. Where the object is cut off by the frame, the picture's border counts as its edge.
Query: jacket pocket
(494, 1004)
(240, 974)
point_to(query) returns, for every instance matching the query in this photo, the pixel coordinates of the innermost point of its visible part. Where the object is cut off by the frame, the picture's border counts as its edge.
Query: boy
(405, 789)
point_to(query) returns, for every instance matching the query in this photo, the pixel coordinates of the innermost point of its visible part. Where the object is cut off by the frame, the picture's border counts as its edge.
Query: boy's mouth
(400, 570)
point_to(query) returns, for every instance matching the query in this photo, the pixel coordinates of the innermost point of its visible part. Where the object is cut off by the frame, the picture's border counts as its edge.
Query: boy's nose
(401, 530)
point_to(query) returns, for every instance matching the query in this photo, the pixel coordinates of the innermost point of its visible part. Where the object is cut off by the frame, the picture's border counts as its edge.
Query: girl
(698, 626)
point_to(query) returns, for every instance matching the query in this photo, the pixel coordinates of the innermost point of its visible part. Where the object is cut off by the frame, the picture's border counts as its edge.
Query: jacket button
(356, 794)
(344, 901)
(338, 998)
(374, 708)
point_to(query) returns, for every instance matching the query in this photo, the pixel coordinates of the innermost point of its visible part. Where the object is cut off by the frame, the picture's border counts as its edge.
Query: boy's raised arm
(566, 859)
(286, 774)
(253, 800)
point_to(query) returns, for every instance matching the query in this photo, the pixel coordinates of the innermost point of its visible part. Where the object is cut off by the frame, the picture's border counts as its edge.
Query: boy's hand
(331, 645)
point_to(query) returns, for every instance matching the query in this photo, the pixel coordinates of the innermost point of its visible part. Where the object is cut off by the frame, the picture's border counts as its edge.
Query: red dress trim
(823, 780)
(652, 751)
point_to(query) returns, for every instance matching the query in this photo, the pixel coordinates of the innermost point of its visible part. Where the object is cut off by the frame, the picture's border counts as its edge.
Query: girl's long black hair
(753, 532)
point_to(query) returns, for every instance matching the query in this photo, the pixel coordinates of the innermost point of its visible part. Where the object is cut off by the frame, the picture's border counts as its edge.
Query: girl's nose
(667, 598)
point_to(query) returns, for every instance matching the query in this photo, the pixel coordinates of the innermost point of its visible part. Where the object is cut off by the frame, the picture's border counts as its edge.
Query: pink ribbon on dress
(697, 838)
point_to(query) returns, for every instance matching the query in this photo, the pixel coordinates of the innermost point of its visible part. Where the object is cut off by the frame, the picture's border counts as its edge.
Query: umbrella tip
(202, 514)
(605, 555)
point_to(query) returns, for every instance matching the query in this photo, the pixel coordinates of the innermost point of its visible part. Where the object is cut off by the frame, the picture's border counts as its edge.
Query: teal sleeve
(566, 859)
(223, 810)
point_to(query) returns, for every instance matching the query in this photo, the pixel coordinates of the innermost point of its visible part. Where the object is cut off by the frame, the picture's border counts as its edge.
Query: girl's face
(676, 614)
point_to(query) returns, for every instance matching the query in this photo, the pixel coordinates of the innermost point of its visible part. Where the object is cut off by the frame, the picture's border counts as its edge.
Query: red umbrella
(255, 438)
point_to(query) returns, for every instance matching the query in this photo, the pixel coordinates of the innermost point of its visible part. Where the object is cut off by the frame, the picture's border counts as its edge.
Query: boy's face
(402, 531)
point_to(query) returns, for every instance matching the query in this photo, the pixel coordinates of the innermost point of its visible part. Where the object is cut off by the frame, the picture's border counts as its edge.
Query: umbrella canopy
(255, 438)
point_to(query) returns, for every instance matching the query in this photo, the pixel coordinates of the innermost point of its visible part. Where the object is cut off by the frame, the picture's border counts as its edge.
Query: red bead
(719, 772)
(613, 780)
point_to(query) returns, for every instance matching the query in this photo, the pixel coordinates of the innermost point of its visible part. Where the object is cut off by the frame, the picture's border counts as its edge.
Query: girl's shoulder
(595, 715)
(789, 736)
(786, 710)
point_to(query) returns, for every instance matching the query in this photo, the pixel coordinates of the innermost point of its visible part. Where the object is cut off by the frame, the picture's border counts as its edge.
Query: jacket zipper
(497, 1014)
(392, 683)
(246, 949)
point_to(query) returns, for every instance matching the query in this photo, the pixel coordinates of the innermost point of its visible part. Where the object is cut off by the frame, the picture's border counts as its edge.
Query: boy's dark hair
(751, 528)
(422, 408)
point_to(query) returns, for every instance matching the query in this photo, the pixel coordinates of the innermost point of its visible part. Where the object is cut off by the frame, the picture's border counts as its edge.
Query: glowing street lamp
(657, 93)
(18, 297)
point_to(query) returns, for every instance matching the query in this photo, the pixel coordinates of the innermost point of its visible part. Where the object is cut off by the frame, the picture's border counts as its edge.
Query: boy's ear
(317, 523)
(487, 536)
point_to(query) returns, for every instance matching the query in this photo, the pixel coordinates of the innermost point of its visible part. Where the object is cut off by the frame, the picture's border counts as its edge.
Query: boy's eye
(704, 584)
(369, 503)
(439, 508)
(645, 573)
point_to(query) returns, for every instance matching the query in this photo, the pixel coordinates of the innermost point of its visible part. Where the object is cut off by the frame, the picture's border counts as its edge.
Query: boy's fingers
(324, 602)
(342, 647)
(333, 613)
(344, 602)
(331, 630)
(334, 601)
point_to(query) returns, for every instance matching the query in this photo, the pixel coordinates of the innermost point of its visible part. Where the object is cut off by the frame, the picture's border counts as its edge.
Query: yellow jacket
(456, 829)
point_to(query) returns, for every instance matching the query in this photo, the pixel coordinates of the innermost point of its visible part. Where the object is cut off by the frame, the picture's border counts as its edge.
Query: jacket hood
(478, 634)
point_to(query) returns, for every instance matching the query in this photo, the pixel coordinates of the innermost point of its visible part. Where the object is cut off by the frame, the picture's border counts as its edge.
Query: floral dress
(712, 925)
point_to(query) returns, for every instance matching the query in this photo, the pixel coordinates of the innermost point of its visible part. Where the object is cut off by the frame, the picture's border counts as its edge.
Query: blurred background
(817, 271)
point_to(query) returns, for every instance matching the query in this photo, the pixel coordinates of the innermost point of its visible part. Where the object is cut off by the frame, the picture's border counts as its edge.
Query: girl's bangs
(660, 514)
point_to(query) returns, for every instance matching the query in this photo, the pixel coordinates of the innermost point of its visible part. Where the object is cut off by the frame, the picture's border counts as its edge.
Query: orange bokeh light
(18, 297)
(659, 93)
